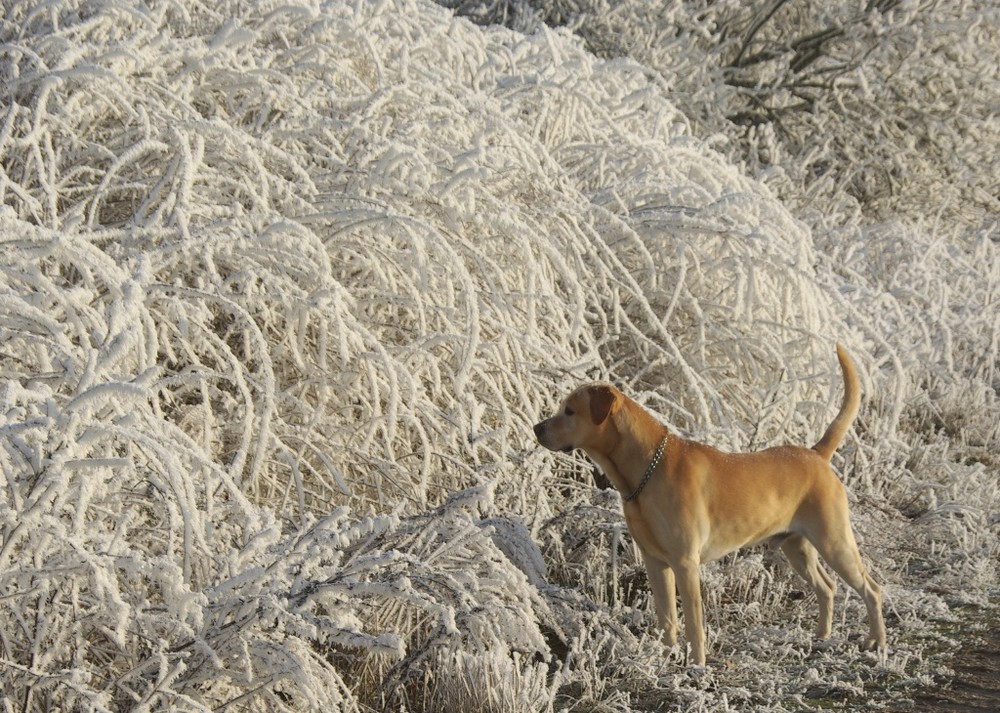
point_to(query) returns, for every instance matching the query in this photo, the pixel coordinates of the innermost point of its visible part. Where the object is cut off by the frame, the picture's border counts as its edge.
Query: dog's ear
(602, 398)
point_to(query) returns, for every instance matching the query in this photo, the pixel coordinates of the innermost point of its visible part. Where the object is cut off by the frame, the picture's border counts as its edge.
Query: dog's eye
(569, 411)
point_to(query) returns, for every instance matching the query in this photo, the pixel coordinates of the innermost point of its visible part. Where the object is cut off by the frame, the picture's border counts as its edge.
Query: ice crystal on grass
(283, 288)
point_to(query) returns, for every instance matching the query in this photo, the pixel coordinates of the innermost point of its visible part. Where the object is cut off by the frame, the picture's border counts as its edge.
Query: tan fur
(700, 503)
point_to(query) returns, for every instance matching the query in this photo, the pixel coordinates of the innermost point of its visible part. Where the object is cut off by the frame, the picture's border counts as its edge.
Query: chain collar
(649, 471)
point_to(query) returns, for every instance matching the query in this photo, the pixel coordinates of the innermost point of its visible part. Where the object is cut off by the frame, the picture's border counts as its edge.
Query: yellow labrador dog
(686, 503)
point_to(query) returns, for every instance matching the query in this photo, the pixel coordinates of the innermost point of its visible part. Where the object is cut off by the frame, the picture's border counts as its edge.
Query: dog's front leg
(661, 582)
(689, 584)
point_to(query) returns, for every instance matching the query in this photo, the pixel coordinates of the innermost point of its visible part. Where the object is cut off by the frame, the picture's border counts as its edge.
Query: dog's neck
(637, 437)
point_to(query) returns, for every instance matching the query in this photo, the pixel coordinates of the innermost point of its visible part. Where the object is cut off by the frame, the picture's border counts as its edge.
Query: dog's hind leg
(805, 560)
(841, 553)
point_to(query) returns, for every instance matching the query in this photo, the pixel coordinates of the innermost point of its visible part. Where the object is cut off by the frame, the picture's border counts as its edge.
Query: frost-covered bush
(883, 108)
(284, 287)
(332, 253)
(874, 124)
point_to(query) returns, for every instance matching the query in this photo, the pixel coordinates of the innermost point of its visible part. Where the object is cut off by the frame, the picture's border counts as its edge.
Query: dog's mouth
(545, 440)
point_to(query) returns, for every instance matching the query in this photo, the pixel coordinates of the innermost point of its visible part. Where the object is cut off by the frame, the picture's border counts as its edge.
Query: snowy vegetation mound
(284, 287)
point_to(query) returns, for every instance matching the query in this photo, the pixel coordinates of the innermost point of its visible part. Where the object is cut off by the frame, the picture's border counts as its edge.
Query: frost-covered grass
(284, 287)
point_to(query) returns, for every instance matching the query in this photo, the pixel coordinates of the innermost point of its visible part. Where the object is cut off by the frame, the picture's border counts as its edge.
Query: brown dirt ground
(976, 685)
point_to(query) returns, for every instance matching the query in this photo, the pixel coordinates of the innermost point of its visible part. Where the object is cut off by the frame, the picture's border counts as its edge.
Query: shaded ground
(976, 686)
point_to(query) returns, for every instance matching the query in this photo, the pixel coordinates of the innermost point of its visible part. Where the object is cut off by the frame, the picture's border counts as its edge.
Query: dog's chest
(648, 535)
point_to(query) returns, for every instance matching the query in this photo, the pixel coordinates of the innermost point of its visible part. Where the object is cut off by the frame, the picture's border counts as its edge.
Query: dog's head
(583, 419)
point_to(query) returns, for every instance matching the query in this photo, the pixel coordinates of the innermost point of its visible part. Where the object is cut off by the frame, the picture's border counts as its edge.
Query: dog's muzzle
(540, 434)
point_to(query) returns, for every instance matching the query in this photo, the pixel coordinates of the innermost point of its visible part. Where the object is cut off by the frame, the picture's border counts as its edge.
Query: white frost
(283, 288)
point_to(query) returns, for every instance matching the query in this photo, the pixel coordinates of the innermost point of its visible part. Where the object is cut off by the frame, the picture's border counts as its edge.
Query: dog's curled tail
(848, 409)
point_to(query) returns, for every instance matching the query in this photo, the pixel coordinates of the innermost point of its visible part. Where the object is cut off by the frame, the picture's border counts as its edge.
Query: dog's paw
(675, 653)
(827, 643)
(703, 677)
(873, 644)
